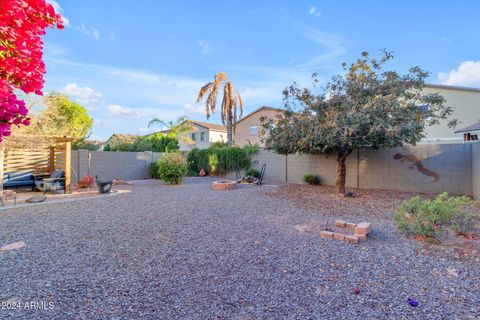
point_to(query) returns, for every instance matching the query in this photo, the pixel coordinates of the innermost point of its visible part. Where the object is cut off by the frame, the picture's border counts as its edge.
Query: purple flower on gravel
(412, 302)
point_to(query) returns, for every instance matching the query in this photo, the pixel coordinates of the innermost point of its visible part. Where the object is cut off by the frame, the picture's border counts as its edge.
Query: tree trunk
(229, 133)
(342, 171)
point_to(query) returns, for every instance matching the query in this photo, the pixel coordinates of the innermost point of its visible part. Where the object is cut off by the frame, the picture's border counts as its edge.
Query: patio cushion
(20, 176)
(18, 180)
(58, 174)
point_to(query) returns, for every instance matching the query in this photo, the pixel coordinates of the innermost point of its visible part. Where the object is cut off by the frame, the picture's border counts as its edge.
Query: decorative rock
(326, 234)
(363, 228)
(351, 239)
(361, 237)
(12, 246)
(340, 223)
(224, 185)
(36, 199)
(338, 236)
(350, 225)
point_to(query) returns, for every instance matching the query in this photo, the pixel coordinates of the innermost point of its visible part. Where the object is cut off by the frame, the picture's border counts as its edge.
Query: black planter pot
(104, 186)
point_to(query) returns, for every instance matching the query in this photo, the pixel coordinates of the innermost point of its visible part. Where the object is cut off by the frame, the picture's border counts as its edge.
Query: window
(253, 130)
(194, 136)
(202, 136)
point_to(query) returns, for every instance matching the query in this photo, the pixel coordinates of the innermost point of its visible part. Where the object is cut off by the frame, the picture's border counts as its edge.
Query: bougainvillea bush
(22, 24)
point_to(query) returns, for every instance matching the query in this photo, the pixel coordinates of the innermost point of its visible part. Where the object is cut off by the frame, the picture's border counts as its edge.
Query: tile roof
(473, 127)
(212, 126)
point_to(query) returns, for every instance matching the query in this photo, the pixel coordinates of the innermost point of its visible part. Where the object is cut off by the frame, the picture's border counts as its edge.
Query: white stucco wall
(467, 110)
(210, 136)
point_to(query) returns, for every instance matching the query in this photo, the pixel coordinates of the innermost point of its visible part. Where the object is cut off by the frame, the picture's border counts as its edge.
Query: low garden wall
(454, 168)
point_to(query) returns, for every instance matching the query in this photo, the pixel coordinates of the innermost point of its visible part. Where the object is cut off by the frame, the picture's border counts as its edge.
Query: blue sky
(129, 61)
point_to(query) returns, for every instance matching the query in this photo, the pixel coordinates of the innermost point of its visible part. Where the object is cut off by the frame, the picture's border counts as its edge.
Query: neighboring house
(466, 104)
(117, 138)
(470, 133)
(247, 129)
(204, 135)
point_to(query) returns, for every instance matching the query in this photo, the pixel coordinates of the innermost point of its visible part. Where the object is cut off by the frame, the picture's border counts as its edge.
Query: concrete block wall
(112, 165)
(416, 170)
(476, 170)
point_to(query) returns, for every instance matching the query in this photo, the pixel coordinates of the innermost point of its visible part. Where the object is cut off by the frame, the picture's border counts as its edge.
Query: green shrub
(251, 149)
(431, 217)
(252, 173)
(311, 179)
(217, 160)
(172, 167)
(154, 170)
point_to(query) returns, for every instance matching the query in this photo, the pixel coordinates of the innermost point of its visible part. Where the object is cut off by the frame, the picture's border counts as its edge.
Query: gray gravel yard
(187, 252)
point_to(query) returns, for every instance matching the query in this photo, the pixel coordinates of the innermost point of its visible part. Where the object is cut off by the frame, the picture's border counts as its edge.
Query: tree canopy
(59, 116)
(365, 107)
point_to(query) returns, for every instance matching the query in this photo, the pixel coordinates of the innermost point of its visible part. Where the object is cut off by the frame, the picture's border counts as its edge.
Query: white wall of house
(466, 104)
(203, 138)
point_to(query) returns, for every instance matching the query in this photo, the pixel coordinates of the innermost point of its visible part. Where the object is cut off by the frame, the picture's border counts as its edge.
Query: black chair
(55, 182)
(262, 174)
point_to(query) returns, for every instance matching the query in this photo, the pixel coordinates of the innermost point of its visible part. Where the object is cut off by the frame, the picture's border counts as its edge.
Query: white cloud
(445, 40)
(58, 9)
(83, 95)
(90, 31)
(314, 11)
(146, 130)
(115, 110)
(334, 45)
(205, 47)
(194, 108)
(466, 74)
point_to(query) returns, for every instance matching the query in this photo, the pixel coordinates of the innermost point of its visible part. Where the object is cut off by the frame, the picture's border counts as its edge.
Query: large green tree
(365, 107)
(56, 115)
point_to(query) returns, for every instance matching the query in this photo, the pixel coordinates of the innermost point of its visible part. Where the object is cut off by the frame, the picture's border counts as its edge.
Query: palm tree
(177, 129)
(230, 102)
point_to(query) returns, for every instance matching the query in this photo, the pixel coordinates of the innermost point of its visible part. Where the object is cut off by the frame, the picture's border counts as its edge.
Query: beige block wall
(476, 170)
(377, 169)
(242, 128)
(466, 104)
(112, 165)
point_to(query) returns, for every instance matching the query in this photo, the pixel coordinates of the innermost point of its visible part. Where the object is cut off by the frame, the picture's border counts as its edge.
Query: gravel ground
(187, 252)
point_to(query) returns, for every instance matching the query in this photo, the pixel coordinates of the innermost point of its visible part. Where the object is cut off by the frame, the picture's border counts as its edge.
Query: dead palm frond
(231, 100)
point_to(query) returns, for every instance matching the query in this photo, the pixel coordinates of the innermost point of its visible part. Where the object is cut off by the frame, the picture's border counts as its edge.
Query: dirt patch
(376, 206)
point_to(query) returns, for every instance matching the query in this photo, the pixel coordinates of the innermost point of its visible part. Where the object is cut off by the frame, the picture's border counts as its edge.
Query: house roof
(121, 138)
(258, 110)
(211, 126)
(448, 87)
(473, 127)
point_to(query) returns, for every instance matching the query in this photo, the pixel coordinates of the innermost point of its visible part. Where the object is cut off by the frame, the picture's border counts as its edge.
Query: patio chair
(55, 182)
(262, 173)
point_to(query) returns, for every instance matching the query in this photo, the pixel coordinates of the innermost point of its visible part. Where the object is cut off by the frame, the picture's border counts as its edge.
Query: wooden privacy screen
(43, 160)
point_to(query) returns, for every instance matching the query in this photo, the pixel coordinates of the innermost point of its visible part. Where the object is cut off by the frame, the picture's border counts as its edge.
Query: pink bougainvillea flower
(22, 24)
